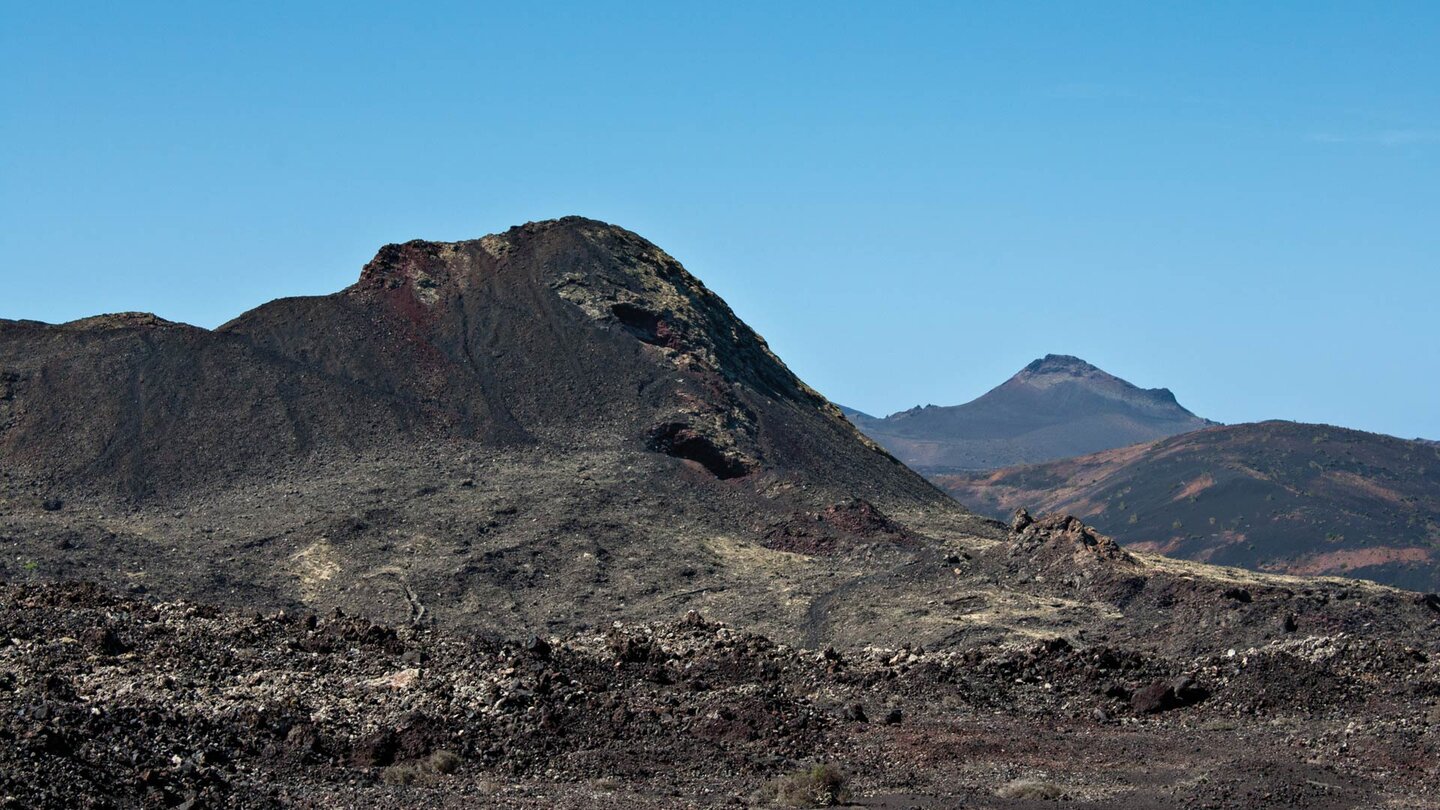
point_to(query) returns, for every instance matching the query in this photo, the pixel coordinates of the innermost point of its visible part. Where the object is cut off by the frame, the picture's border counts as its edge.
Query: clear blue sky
(1239, 201)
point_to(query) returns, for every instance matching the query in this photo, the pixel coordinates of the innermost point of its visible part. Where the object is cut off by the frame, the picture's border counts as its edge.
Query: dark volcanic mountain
(566, 334)
(1058, 406)
(529, 428)
(1274, 496)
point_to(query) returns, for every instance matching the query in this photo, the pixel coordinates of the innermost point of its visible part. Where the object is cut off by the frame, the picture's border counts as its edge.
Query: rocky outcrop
(1061, 544)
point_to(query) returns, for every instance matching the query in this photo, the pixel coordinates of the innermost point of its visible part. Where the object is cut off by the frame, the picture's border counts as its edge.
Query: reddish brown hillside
(1274, 496)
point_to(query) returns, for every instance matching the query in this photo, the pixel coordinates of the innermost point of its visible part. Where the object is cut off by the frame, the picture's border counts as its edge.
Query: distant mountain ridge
(1056, 407)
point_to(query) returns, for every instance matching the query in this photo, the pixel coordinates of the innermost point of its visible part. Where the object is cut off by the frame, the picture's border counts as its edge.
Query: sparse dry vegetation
(438, 763)
(1030, 789)
(822, 785)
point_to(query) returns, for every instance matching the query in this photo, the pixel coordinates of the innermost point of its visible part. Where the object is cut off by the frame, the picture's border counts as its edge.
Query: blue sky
(1238, 201)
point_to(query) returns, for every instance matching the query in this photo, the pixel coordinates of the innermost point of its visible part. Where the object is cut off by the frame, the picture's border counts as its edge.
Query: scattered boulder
(105, 641)
(1021, 520)
(629, 649)
(1163, 696)
(538, 647)
(692, 620)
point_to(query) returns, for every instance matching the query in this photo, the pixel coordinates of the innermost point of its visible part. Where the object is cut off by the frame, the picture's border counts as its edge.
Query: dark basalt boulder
(1166, 695)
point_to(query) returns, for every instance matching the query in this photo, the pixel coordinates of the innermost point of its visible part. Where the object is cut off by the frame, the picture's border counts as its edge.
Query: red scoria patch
(854, 521)
(1342, 562)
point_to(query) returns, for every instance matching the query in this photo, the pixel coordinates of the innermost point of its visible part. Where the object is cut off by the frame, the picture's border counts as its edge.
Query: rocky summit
(535, 520)
(1056, 407)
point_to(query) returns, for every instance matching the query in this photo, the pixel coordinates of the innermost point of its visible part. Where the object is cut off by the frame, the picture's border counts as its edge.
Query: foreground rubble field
(112, 702)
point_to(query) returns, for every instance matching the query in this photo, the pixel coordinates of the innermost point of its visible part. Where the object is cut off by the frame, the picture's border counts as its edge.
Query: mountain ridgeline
(1056, 407)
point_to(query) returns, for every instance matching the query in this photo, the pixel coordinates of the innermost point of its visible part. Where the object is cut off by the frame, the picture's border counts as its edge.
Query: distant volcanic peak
(1057, 369)
(1060, 364)
(1064, 370)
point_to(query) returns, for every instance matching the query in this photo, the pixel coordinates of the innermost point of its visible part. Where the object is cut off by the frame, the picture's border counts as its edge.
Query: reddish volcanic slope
(1274, 496)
